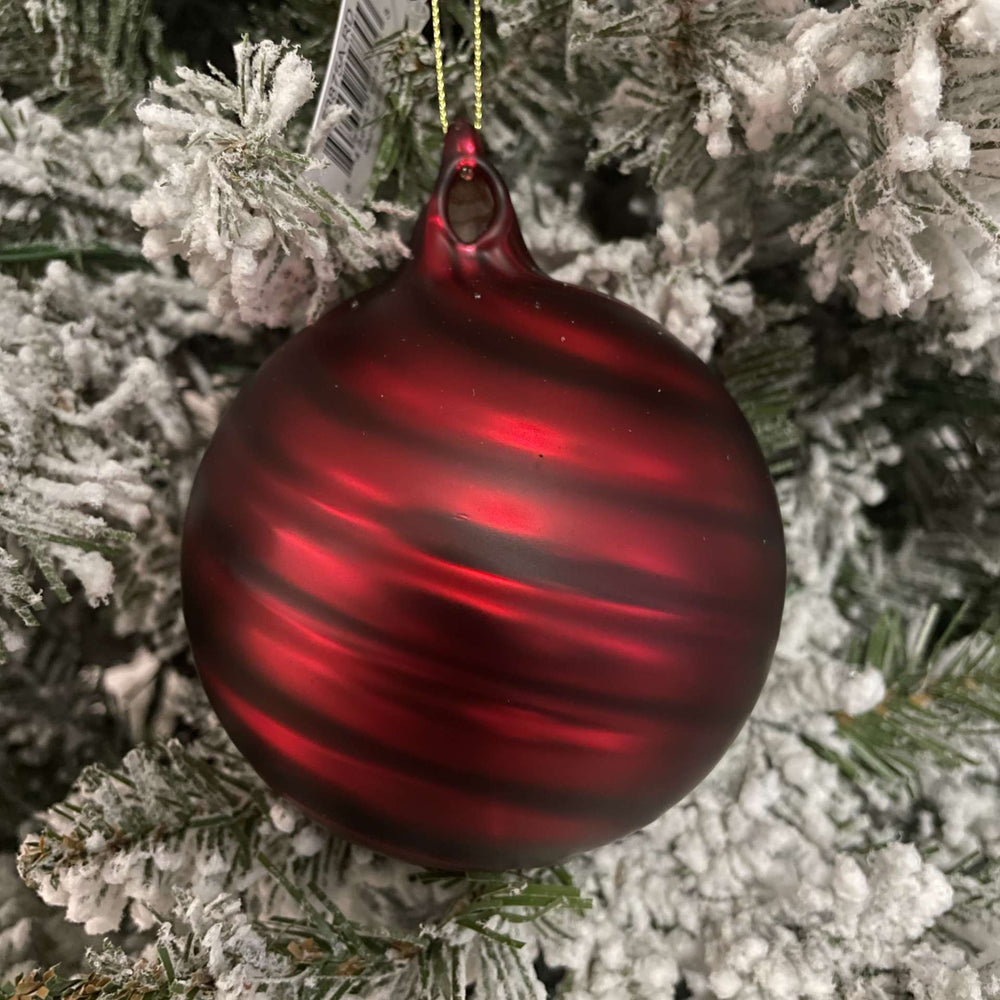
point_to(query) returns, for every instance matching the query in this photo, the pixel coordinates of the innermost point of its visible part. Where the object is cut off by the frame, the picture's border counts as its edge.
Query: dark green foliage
(54, 718)
(942, 695)
(944, 500)
(204, 32)
(87, 60)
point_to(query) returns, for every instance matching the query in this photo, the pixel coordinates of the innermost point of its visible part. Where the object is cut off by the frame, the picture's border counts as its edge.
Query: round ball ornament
(482, 569)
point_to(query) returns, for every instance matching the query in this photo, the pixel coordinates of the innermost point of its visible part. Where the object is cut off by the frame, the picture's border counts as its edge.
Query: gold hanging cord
(478, 61)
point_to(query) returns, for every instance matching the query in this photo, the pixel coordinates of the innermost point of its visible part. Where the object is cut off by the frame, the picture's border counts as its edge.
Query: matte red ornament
(482, 569)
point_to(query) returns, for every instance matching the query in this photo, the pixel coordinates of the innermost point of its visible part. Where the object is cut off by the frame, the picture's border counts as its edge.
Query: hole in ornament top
(470, 204)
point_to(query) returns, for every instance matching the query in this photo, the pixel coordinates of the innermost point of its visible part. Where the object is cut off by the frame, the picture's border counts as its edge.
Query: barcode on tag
(353, 79)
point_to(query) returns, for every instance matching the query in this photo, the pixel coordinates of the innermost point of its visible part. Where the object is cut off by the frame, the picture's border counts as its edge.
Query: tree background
(806, 194)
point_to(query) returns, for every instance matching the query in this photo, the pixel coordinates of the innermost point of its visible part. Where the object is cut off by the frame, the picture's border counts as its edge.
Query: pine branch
(159, 821)
(515, 897)
(768, 376)
(941, 694)
(976, 879)
(54, 718)
(65, 188)
(673, 64)
(944, 497)
(237, 200)
(409, 147)
(87, 60)
(89, 415)
(80, 256)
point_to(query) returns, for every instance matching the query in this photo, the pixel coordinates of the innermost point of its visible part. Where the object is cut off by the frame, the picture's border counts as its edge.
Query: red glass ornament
(482, 569)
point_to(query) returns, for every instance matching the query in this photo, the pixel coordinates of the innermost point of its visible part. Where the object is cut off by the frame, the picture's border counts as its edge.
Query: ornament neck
(468, 225)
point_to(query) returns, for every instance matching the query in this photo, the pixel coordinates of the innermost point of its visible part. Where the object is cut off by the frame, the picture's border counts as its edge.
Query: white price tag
(353, 79)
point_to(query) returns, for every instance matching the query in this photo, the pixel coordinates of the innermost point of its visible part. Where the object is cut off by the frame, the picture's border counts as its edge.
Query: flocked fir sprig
(83, 60)
(28, 928)
(723, 64)
(771, 378)
(235, 199)
(238, 889)
(66, 192)
(908, 88)
(84, 404)
(895, 99)
(94, 411)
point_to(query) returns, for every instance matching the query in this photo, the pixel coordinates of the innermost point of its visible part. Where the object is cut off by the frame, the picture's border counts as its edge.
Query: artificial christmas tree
(805, 194)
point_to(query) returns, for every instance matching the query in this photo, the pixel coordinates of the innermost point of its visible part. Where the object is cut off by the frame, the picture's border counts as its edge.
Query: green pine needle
(940, 691)
(768, 376)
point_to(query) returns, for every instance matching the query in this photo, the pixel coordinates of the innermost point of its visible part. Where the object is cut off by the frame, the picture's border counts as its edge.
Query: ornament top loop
(492, 237)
